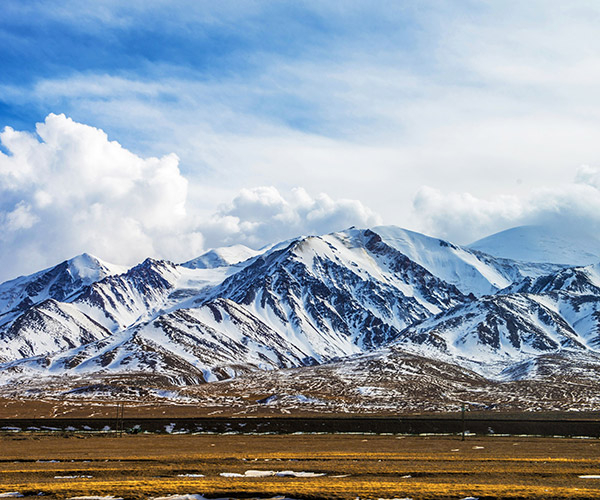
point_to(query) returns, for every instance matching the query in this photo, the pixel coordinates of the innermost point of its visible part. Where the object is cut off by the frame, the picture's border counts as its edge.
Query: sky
(165, 128)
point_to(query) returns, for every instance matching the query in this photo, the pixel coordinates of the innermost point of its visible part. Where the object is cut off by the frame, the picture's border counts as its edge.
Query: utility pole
(120, 412)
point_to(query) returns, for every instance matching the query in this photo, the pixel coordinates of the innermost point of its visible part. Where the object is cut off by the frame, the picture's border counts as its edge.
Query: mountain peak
(88, 268)
(57, 282)
(221, 257)
(549, 244)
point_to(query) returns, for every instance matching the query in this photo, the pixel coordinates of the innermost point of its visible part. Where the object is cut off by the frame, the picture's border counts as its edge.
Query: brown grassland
(365, 466)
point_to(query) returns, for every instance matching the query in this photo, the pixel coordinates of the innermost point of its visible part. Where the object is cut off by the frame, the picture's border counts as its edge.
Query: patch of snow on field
(11, 494)
(259, 473)
(270, 473)
(201, 497)
(590, 476)
(190, 475)
(180, 497)
(109, 497)
(369, 391)
(291, 473)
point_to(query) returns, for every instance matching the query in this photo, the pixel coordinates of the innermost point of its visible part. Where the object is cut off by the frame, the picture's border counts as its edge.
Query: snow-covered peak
(222, 257)
(570, 246)
(593, 274)
(89, 269)
(468, 271)
(56, 282)
(338, 293)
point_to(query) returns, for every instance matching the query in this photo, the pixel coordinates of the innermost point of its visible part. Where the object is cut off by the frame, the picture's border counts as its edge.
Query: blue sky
(250, 57)
(456, 118)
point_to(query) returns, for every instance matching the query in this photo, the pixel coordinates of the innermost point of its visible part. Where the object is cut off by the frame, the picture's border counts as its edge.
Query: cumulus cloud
(263, 215)
(68, 189)
(71, 190)
(463, 218)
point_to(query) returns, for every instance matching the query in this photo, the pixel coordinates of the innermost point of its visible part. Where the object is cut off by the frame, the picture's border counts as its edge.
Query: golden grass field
(366, 466)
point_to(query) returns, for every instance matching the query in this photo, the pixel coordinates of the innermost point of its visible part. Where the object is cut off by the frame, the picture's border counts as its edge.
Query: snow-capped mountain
(470, 270)
(48, 327)
(571, 246)
(313, 300)
(120, 301)
(58, 282)
(573, 280)
(115, 303)
(303, 302)
(339, 294)
(494, 332)
(574, 294)
(222, 257)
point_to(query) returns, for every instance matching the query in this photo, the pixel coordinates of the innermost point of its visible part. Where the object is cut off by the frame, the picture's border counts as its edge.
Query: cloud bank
(462, 217)
(69, 189)
(366, 102)
(260, 215)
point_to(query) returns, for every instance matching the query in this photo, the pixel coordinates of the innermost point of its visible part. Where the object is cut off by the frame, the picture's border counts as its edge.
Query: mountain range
(377, 308)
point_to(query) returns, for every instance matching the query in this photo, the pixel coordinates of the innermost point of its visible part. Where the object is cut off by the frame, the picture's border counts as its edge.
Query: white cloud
(588, 175)
(70, 190)
(263, 215)
(20, 218)
(463, 218)
(483, 98)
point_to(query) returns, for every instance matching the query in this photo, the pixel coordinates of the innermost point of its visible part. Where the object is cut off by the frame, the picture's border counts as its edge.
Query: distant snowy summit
(558, 245)
(222, 257)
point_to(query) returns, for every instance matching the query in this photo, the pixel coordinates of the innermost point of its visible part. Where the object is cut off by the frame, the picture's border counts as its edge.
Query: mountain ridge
(309, 301)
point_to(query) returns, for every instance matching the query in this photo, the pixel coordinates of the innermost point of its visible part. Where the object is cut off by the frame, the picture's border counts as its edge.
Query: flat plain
(343, 466)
